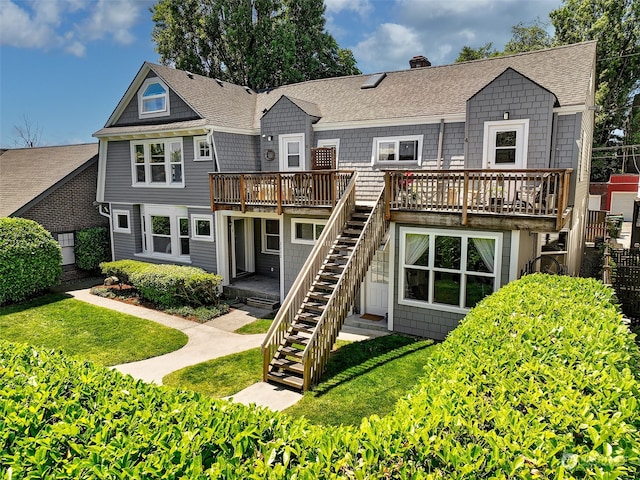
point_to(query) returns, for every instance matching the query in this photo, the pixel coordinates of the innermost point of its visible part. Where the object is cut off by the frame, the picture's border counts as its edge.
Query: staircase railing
(296, 296)
(316, 353)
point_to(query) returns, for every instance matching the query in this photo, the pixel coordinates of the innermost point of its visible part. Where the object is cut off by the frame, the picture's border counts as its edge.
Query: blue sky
(65, 64)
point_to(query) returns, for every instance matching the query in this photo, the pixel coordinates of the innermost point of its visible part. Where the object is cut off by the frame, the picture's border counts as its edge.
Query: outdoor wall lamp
(505, 115)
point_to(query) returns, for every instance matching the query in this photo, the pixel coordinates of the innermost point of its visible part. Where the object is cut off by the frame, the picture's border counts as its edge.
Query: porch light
(505, 115)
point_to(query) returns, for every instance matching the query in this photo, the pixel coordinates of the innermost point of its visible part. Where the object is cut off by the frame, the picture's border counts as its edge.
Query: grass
(93, 333)
(220, 377)
(362, 378)
(261, 325)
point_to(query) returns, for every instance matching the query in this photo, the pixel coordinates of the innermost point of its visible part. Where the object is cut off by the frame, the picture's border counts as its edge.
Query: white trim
(313, 221)
(396, 139)
(521, 126)
(175, 213)
(263, 234)
(144, 135)
(221, 232)
(514, 255)
(167, 142)
(166, 111)
(196, 148)
(570, 109)
(463, 235)
(331, 142)
(194, 231)
(390, 122)
(392, 276)
(115, 215)
(102, 169)
(283, 140)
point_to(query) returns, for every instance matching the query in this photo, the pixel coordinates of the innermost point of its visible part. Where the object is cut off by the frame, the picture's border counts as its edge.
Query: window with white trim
(292, 149)
(202, 149)
(446, 270)
(153, 99)
(331, 143)
(505, 144)
(157, 163)
(405, 150)
(306, 230)
(121, 221)
(165, 232)
(270, 236)
(202, 227)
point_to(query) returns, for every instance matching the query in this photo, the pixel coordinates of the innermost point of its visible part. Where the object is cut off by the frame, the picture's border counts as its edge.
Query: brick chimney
(419, 61)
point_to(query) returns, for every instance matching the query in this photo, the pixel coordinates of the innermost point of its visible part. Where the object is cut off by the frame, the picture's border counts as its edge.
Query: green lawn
(94, 333)
(362, 378)
(259, 326)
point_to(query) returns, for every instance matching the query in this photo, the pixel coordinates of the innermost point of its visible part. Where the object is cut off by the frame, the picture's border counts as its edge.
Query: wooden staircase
(287, 366)
(300, 339)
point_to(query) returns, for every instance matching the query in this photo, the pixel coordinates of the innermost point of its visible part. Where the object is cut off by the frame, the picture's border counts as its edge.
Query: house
(56, 187)
(409, 195)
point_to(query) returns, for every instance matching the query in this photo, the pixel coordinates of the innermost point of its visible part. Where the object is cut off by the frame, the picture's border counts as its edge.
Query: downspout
(440, 145)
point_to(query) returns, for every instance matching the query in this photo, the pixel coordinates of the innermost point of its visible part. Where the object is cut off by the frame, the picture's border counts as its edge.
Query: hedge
(539, 381)
(30, 259)
(167, 285)
(92, 247)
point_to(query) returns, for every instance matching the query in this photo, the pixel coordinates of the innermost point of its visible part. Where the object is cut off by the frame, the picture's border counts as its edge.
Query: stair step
(294, 381)
(356, 223)
(308, 317)
(341, 239)
(322, 286)
(333, 267)
(313, 307)
(297, 339)
(290, 351)
(351, 231)
(329, 276)
(319, 296)
(303, 327)
(338, 256)
(265, 303)
(289, 365)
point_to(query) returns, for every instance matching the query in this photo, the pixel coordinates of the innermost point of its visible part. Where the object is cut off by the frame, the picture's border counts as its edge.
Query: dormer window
(153, 99)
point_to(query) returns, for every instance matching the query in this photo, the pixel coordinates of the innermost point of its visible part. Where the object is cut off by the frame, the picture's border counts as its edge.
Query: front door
(240, 246)
(376, 301)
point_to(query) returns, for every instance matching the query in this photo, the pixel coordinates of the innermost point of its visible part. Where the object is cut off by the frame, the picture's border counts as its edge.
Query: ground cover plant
(538, 381)
(92, 333)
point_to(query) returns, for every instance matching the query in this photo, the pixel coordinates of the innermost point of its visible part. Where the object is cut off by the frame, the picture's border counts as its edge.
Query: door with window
(505, 144)
(376, 301)
(292, 152)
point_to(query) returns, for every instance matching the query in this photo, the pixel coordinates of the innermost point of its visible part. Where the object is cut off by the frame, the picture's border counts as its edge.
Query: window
(121, 222)
(292, 149)
(452, 271)
(331, 142)
(554, 248)
(270, 236)
(397, 150)
(153, 99)
(505, 144)
(67, 244)
(202, 227)
(202, 149)
(157, 163)
(306, 230)
(165, 232)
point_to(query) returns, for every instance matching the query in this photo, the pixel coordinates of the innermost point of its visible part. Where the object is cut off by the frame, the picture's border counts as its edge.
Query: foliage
(92, 247)
(467, 53)
(92, 333)
(258, 43)
(633, 128)
(539, 381)
(616, 26)
(202, 314)
(528, 37)
(30, 259)
(167, 285)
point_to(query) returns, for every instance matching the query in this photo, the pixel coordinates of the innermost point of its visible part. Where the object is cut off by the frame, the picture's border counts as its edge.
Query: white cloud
(69, 25)
(360, 6)
(390, 46)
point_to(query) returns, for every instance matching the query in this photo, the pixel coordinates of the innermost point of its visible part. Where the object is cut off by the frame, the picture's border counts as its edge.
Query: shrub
(539, 381)
(92, 248)
(202, 314)
(167, 285)
(30, 259)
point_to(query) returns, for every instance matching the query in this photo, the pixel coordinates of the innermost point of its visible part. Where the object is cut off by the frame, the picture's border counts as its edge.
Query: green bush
(30, 259)
(92, 247)
(539, 381)
(167, 285)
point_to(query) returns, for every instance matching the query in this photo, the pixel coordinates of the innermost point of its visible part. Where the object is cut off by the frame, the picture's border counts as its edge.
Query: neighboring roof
(27, 174)
(418, 92)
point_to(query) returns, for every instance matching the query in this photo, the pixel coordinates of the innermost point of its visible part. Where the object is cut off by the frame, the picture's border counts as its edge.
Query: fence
(625, 278)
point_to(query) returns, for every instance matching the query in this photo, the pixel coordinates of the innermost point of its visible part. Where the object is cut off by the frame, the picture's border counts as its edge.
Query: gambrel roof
(402, 96)
(29, 174)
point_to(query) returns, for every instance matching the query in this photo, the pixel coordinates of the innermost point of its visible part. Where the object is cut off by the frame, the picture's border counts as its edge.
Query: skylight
(373, 81)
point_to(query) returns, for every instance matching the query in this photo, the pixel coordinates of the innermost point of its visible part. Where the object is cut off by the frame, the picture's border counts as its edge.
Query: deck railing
(322, 188)
(298, 291)
(316, 353)
(508, 192)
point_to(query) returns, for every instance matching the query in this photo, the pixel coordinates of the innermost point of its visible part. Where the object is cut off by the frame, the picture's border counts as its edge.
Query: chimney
(419, 61)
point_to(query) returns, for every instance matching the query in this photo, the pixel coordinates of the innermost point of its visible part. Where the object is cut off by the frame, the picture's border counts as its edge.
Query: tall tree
(258, 43)
(616, 26)
(528, 37)
(468, 53)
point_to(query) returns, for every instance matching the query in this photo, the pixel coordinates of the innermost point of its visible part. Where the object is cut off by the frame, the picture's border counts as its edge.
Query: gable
(511, 82)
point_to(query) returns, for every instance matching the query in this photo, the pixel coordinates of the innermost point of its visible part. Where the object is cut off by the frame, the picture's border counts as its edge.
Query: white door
(622, 203)
(505, 144)
(376, 301)
(292, 152)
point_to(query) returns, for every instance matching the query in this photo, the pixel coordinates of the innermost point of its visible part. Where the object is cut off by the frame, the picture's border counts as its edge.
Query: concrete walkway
(208, 341)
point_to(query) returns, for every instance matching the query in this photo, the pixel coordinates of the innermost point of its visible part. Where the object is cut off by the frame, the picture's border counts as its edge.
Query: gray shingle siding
(522, 98)
(202, 252)
(237, 153)
(294, 254)
(179, 111)
(126, 245)
(266, 264)
(429, 322)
